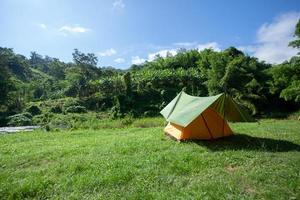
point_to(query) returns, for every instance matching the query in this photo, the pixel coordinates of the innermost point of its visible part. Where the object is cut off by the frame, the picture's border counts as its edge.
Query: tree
(6, 85)
(10, 101)
(87, 64)
(286, 80)
(127, 82)
(84, 59)
(75, 80)
(35, 58)
(296, 42)
(15, 64)
(233, 72)
(286, 76)
(56, 69)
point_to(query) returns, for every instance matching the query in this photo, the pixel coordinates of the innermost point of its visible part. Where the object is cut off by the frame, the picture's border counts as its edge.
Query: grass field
(262, 161)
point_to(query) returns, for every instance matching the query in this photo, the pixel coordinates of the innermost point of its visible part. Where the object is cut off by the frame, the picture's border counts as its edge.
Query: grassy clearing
(261, 162)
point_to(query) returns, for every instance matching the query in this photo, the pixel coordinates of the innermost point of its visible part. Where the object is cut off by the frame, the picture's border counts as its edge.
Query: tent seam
(210, 134)
(175, 105)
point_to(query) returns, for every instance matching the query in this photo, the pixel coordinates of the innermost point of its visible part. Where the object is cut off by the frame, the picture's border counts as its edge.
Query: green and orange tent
(191, 117)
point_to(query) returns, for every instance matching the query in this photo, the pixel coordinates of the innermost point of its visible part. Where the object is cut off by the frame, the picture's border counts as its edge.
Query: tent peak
(184, 108)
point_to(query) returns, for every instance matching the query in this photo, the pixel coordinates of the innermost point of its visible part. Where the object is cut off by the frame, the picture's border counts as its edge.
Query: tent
(204, 118)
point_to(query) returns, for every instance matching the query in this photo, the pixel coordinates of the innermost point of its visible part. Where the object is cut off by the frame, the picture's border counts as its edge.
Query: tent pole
(211, 136)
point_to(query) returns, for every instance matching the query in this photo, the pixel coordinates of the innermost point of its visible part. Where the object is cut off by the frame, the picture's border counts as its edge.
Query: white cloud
(173, 51)
(210, 45)
(136, 60)
(272, 39)
(118, 4)
(42, 26)
(73, 29)
(185, 44)
(162, 53)
(249, 48)
(107, 52)
(119, 60)
(200, 46)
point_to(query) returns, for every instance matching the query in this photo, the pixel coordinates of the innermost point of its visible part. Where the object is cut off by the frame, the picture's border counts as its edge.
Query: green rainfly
(184, 108)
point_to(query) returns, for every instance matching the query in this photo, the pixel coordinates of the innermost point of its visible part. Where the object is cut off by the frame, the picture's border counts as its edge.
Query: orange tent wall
(208, 125)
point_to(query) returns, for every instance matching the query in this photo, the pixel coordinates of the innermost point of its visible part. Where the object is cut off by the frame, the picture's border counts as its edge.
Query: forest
(29, 85)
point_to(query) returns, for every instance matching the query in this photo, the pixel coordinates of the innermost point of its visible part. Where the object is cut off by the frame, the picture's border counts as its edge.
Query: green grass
(262, 161)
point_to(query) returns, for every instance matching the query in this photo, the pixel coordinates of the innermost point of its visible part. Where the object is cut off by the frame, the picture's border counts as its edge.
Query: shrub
(68, 102)
(22, 119)
(34, 110)
(127, 120)
(27, 114)
(55, 109)
(43, 118)
(47, 127)
(76, 109)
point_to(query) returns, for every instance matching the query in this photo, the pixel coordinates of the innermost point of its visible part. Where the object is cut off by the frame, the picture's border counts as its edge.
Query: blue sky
(123, 32)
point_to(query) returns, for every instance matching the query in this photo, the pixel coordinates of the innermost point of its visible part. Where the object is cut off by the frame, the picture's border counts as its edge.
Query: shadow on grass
(252, 143)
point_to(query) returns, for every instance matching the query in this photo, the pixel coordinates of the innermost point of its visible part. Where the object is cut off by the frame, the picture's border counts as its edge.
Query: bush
(127, 120)
(34, 110)
(27, 114)
(43, 118)
(56, 109)
(47, 127)
(68, 102)
(22, 119)
(76, 109)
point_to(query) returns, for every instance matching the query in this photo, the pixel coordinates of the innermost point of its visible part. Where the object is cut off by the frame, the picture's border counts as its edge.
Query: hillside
(143, 90)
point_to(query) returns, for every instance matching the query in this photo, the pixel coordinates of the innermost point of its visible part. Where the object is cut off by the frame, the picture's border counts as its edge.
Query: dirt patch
(231, 169)
(249, 190)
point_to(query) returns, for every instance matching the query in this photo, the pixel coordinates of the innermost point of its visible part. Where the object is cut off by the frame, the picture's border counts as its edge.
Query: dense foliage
(145, 89)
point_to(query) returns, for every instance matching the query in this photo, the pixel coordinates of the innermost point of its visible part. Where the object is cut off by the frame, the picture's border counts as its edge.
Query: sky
(125, 32)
